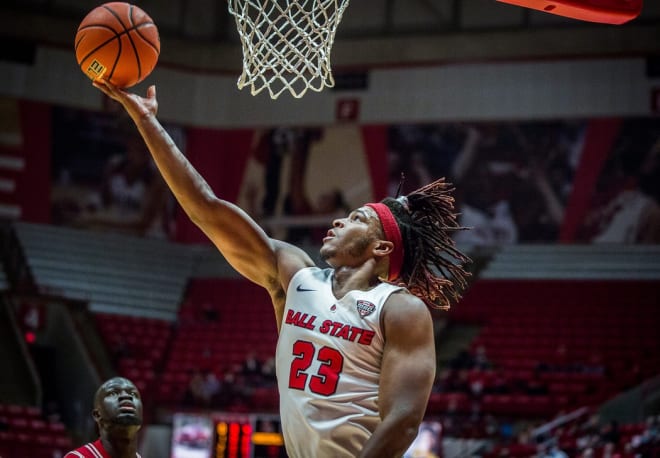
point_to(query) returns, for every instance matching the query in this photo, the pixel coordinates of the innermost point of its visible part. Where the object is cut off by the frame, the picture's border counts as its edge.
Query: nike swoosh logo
(300, 288)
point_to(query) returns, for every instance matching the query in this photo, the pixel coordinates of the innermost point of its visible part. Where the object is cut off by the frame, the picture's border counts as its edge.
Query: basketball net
(286, 44)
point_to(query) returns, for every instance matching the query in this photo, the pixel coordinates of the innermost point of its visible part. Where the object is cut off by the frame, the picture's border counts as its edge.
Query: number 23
(324, 382)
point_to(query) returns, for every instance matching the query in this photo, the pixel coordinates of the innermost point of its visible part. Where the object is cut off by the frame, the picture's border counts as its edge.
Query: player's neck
(120, 447)
(363, 277)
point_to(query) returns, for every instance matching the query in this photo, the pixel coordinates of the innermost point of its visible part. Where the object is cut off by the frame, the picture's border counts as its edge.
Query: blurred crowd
(232, 389)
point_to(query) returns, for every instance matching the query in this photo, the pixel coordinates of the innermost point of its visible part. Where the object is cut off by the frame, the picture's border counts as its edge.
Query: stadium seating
(557, 345)
(221, 321)
(25, 433)
(137, 346)
(553, 344)
(115, 273)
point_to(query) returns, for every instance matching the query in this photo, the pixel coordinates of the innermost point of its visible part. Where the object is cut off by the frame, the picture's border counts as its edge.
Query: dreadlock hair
(432, 267)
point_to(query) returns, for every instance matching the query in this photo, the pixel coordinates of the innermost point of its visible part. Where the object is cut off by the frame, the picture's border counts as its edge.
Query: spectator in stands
(506, 430)
(268, 372)
(551, 450)
(491, 426)
(648, 441)
(609, 451)
(251, 368)
(461, 383)
(228, 382)
(610, 433)
(481, 360)
(586, 442)
(211, 387)
(118, 416)
(591, 425)
(195, 392)
(356, 350)
(476, 388)
(235, 391)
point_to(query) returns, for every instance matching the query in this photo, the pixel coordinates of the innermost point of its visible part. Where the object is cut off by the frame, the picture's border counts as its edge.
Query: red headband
(392, 234)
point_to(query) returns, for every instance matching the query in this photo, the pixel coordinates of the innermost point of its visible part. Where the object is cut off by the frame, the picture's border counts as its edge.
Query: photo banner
(103, 177)
(545, 181)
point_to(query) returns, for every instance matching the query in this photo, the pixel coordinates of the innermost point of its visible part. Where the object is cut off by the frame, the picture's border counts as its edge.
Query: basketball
(117, 41)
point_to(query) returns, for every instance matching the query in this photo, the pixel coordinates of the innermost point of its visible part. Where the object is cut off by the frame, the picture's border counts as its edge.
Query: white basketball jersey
(328, 366)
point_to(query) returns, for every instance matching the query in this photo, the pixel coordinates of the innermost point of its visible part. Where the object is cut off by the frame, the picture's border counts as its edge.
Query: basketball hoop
(286, 44)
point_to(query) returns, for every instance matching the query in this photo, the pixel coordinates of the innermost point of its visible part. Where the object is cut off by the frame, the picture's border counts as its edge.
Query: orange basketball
(118, 41)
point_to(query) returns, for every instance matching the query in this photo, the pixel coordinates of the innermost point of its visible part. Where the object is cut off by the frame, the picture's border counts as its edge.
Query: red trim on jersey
(91, 450)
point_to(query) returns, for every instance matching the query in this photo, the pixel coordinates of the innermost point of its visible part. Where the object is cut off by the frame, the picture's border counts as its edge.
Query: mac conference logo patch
(365, 308)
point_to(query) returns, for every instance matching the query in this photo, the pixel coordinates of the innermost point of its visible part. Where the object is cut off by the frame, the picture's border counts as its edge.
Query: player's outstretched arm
(242, 242)
(407, 374)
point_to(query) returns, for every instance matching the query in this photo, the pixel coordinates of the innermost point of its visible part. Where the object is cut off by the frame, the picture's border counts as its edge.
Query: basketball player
(118, 415)
(355, 356)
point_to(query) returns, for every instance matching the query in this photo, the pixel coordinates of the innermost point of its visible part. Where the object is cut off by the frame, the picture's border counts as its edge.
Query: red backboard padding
(604, 11)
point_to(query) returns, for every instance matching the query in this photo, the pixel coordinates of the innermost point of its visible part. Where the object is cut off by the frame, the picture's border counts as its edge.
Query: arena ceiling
(201, 35)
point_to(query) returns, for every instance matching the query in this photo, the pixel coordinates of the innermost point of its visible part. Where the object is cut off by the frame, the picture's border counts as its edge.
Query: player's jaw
(346, 249)
(124, 412)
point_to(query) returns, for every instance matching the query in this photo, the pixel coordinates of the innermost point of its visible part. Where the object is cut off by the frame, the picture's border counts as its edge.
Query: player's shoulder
(291, 258)
(406, 318)
(404, 296)
(89, 450)
(288, 249)
(402, 304)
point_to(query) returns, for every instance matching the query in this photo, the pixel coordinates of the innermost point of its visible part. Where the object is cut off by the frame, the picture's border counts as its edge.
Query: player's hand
(136, 106)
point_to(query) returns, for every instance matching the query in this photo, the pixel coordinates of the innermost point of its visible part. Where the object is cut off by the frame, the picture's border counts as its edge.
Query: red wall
(219, 158)
(32, 183)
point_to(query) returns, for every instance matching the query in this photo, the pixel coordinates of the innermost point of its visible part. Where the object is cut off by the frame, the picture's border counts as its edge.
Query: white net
(286, 43)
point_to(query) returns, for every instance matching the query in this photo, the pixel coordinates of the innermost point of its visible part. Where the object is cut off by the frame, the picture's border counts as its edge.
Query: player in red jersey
(118, 414)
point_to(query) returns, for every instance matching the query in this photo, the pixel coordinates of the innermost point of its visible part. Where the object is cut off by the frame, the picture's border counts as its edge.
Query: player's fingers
(103, 83)
(111, 90)
(99, 84)
(151, 92)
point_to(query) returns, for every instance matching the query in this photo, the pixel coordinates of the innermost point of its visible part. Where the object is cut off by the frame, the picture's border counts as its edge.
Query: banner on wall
(297, 180)
(623, 206)
(103, 177)
(591, 181)
(552, 181)
(512, 179)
